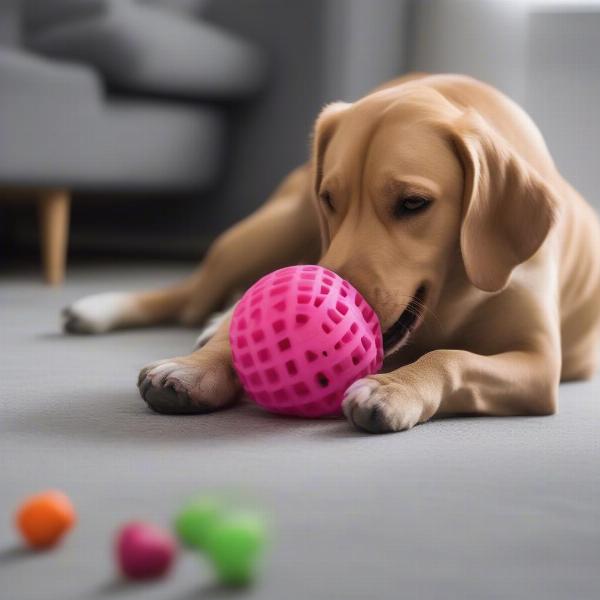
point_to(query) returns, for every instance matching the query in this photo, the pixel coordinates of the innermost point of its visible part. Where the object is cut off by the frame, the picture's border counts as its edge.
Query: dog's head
(408, 187)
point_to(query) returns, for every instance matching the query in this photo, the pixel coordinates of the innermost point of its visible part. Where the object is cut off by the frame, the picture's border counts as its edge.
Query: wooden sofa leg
(54, 208)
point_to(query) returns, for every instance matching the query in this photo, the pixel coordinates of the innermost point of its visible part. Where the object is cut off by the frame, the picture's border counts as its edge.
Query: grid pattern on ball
(295, 358)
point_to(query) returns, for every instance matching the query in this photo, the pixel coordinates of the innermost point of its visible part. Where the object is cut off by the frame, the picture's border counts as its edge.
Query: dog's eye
(410, 205)
(327, 201)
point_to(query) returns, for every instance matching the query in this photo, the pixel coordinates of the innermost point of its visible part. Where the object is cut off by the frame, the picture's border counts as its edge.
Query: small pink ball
(144, 551)
(299, 337)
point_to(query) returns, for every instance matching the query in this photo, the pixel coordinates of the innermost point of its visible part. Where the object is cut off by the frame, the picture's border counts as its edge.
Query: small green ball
(235, 545)
(196, 519)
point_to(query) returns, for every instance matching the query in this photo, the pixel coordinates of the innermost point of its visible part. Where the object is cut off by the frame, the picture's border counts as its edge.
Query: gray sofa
(203, 103)
(113, 95)
(98, 94)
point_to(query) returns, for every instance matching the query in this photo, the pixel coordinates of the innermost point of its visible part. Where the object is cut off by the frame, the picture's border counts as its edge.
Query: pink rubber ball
(299, 337)
(144, 551)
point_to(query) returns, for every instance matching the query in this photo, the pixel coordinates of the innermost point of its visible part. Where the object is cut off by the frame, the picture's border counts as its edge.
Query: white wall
(482, 38)
(366, 45)
(544, 54)
(563, 92)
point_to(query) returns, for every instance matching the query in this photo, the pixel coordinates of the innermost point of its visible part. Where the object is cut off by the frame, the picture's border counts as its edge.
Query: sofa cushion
(58, 129)
(37, 15)
(123, 145)
(25, 76)
(137, 47)
(188, 6)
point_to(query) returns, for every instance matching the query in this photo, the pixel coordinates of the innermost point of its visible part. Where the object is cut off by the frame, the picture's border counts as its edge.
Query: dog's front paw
(378, 407)
(199, 383)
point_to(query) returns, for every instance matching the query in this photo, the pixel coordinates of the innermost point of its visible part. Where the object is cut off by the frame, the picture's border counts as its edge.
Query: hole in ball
(322, 379)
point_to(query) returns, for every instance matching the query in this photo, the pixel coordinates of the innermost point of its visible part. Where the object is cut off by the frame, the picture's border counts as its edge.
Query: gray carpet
(463, 508)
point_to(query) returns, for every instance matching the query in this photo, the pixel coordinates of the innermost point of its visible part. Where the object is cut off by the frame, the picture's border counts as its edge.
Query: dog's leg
(203, 381)
(445, 382)
(211, 327)
(284, 231)
(104, 312)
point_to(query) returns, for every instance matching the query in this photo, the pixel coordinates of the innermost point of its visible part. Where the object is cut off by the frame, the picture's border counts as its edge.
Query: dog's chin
(398, 334)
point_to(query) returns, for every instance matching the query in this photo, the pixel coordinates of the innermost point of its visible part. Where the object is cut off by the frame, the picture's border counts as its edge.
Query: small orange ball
(44, 518)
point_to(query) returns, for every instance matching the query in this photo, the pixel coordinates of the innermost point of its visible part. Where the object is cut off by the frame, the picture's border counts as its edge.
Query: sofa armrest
(25, 77)
(139, 48)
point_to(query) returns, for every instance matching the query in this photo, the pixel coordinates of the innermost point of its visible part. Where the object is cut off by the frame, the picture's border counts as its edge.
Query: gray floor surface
(462, 508)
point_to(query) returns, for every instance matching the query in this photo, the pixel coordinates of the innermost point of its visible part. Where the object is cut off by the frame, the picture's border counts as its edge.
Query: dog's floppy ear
(508, 210)
(323, 132)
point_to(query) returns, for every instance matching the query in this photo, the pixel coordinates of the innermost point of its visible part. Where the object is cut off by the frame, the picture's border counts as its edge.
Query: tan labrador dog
(438, 199)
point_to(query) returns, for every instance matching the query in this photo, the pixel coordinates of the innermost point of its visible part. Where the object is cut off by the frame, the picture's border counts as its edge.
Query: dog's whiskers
(419, 309)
